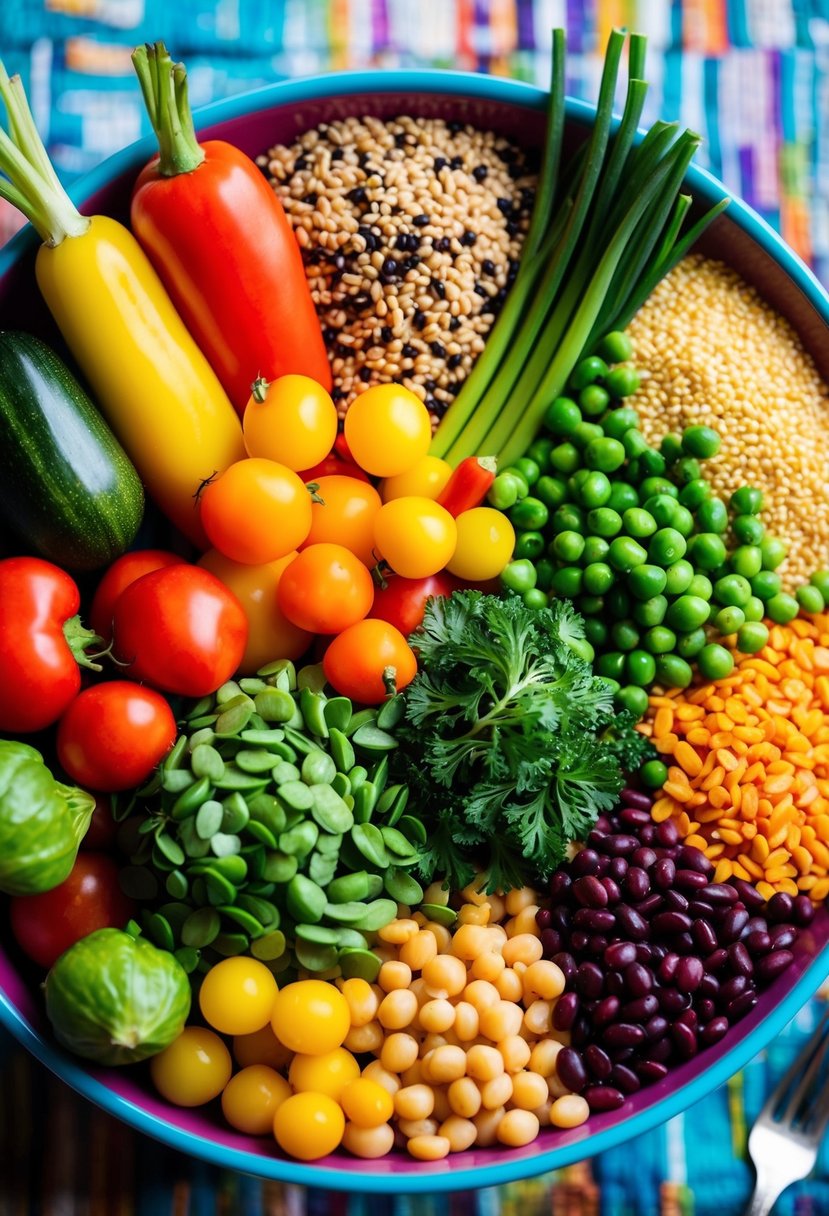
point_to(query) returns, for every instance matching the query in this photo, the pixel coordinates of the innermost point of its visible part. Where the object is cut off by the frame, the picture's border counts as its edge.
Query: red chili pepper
(469, 484)
(219, 239)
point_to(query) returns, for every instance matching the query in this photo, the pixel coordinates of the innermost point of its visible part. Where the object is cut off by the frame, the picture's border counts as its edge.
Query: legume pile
(410, 231)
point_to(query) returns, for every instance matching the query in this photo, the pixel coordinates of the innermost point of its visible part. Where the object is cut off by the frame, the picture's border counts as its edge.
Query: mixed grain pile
(411, 231)
(713, 352)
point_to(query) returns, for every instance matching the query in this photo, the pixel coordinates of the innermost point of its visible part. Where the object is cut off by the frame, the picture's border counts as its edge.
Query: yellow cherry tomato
(291, 420)
(387, 429)
(310, 1016)
(270, 634)
(486, 539)
(237, 995)
(426, 478)
(367, 1103)
(345, 516)
(256, 511)
(194, 1069)
(415, 536)
(308, 1126)
(260, 1047)
(326, 1074)
(250, 1099)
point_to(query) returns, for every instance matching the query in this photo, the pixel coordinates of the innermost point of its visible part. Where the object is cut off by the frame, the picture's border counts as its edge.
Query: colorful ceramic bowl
(740, 237)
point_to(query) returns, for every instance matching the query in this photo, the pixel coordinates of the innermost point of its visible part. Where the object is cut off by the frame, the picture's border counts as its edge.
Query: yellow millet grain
(712, 352)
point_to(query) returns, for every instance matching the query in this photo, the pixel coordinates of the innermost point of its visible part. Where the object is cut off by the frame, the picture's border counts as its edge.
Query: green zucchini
(67, 487)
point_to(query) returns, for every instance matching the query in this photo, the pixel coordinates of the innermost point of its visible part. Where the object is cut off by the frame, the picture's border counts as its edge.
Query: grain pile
(411, 231)
(713, 352)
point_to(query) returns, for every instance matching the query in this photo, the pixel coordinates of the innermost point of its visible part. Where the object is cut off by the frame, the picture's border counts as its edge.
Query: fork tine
(816, 1054)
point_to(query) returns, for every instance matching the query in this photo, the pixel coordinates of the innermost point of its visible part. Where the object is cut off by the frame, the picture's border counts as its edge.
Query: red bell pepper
(469, 484)
(220, 241)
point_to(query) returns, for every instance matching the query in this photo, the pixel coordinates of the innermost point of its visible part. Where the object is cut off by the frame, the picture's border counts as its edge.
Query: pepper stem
(164, 88)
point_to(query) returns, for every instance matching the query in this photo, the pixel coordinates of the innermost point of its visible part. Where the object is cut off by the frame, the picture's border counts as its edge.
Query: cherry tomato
(123, 571)
(113, 735)
(237, 995)
(256, 511)
(360, 659)
(345, 516)
(270, 634)
(366, 1103)
(325, 1074)
(103, 829)
(308, 1126)
(486, 539)
(325, 589)
(387, 429)
(261, 1047)
(251, 1099)
(291, 420)
(90, 898)
(310, 1016)
(332, 466)
(41, 643)
(403, 600)
(194, 1069)
(181, 630)
(415, 536)
(427, 479)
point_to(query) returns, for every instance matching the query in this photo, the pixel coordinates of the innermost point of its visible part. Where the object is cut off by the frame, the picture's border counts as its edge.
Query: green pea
(568, 581)
(595, 550)
(662, 508)
(671, 448)
(617, 603)
(595, 629)
(679, 577)
(658, 485)
(594, 490)
(666, 547)
(729, 620)
(615, 347)
(634, 443)
(653, 774)
(528, 468)
(624, 635)
(569, 518)
(688, 645)
(673, 672)
(683, 521)
(504, 492)
(701, 586)
(622, 381)
(633, 699)
(552, 491)
(544, 570)
(519, 576)
(598, 578)
(820, 579)
(625, 553)
(755, 609)
(530, 514)
(765, 584)
(604, 454)
(612, 686)
(712, 516)
(638, 522)
(617, 423)
(651, 463)
(646, 580)
(733, 591)
(687, 469)
(747, 529)
(575, 482)
(686, 613)
(650, 612)
(782, 608)
(587, 371)
(611, 665)
(530, 545)
(523, 488)
(694, 493)
(774, 552)
(622, 496)
(585, 433)
(747, 560)
(715, 662)
(701, 441)
(753, 636)
(640, 668)
(562, 416)
(603, 521)
(535, 598)
(659, 640)
(594, 400)
(746, 501)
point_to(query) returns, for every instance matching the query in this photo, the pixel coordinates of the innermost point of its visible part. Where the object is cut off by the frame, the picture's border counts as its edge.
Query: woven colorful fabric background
(753, 77)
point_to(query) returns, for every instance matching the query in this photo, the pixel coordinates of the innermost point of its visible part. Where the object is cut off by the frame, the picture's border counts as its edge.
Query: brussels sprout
(116, 999)
(41, 822)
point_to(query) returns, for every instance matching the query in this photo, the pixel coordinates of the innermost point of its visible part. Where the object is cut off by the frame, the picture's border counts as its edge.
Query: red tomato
(41, 643)
(113, 735)
(47, 924)
(403, 600)
(181, 630)
(325, 589)
(332, 466)
(368, 660)
(122, 572)
(102, 829)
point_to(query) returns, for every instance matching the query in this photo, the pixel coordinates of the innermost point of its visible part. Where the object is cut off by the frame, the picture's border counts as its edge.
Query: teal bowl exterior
(255, 121)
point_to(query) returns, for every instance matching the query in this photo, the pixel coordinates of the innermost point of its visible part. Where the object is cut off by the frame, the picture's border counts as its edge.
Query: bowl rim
(510, 1167)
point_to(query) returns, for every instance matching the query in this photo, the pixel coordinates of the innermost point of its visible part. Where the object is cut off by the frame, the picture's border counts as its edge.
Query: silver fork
(784, 1142)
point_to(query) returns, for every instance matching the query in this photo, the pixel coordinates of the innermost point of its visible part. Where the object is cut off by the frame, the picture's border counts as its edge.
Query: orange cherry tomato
(325, 589)
(256, 511)
(345, 516)
(387, 429)
(270, 634)
(367, 659)
(416, 536)
(291, 420)
(427, 478)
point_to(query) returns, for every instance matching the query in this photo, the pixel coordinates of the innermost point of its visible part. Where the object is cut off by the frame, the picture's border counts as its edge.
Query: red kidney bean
(565, 1010)
(663, 874)
(698, 907)
(735, 986)
(589, 892)
(666, 923)
(636, 798)
(675, 901)
(580, 1033)
(661, 1050)
(637, 884)
(598, 1062)
(560, 917)
(690, 880)
(638, 979)
(771, 965)
(782, 936)
(614, 983)
(755, 924)
(618, 868)
(741, 1005)
(579, 939)
(643, 857)
(610, 885)
(758, 942)
(647, 836)
(617, 844)
(631, 817)
(596, 920)
(561, 882)
(644, 952)
(714, 1030)
(709, 985)
(651, 1070)
(567, 963)
(689, 973)
(803, 910)
(684, 1039)
(632, 924)
(683, 943)
(570, 1069)
(718, 894)
(621, 1055)
(668, 834)
(650, 904)
(640, 1009)
(704, 936)
(706, 1009)
(672, 1001)
(542, 918)
(603, 1097)
(550, 942)
(596, 944)
(691, 858)
(732, 924)
(689, 1018)
(620, 954)
(740, 959)
(780, 908)
(605, 1012)
(623, 1034)
(717, 959)
(585, 862)
(598, 836)
(656, 1028)
(749, 894)
(590, 981)
(667, 968)
(624, 1078)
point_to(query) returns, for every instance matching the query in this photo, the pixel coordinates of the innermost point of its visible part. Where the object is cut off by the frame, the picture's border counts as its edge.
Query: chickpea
(430, 1041)
(418, 1127)
(501, 1020)
(469, 941)
(362, 1001)
(419, 949)
(413, 1075)
(445, 975)
(525, 921)
(481, 994)
(484, 1063)
(542, 1112)
(488, 966)
(557, 1088)
(474, 914)
(399, 1052)
(383, 1076)
(398, 1009)
(398, 931)
(516, 1052)
(445, 1064)
(471, 895)
(441, 934)
(496, 1092)
(543, 979)
(570, 1110)
(436, 893)
(467, 1021)
(361, 1039)
(464, 1097)
(459, 1132)
(419, 988)
(414, 1102)
(543, 1057)
(509, 986)
(497, 908)
(394, 975)
(368, 1142)
(429, 1148)
(486, 1126)
(517, 1128)
(442, 1108)
(529, 1090)
(437, 1015)
(538, 1018)
(517, 899)
(524, 948)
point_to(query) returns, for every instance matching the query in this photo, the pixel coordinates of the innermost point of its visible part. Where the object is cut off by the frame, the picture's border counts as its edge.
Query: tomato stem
(313, 489)
(79, 639)
(259, 389)
(164, 87)
(390, 680)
